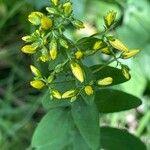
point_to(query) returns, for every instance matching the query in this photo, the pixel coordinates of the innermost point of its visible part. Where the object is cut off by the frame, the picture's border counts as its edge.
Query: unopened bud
(110, 18)
(125, 72)
(63, 43)
(106, 81)
(130, 54)
(53, 49)
(117, 44)
(35, 18)
(69, 94)
(35, 71)
(77, 71)
(29, 49)
(37, 84)
(27, 38)
(98, 45)
(78, 24)
(56, 94)
(55, 2)
(46, 23)
(79, 54)
(88, 90)
(67, 8)
(106, 51)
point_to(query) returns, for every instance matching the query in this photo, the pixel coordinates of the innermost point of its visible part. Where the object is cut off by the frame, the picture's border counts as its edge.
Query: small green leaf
(117, 139)
(101, 72)
(108, 101)
(86, 118)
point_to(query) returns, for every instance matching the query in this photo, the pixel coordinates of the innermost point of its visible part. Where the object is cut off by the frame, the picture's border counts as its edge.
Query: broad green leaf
(109, 100)
(86, 118)
(52, 128)
(101, 72)
(117, 139)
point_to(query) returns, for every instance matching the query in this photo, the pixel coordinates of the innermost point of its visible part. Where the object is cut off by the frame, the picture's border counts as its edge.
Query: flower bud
(35, 71)
(53, 49)
(78, 24)
(27, 38)
(63, 43)
(79, 54)
(37, 84)
(46, 23)
(55, 2)
(130, 54)
(69, 94)
(44, 58)
(125, 72)
(35, 18)
(88, 90)
(117, 44)
(106, 81)
(51, 10)
(110, 18)
(50, 78)
(56, 94)
(106, 51)
(29, 49)
(77, 71)
(67, 8)
(98, 45)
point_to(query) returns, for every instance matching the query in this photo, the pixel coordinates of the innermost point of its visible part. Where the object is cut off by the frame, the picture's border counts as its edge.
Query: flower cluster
(64, 57)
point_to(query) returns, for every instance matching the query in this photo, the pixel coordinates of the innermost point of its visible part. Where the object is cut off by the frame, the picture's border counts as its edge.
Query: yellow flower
(98, 45)
(53, 49)
(77, 71)
(29, 49)
(110, 18)
(105, 81)
(130, 54)
(35, 18)
(68, 94)
(55, 2)
(35, 71)
(56, 94)
(89, 90)
(79, 54)
(117, 44)
(46, 23)
(67, 8)
(37, 84)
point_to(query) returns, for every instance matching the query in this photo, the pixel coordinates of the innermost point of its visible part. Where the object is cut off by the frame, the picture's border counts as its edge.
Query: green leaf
(86, 118)
(101, 72)
(117, 139)
(52, 128)
(108, 101)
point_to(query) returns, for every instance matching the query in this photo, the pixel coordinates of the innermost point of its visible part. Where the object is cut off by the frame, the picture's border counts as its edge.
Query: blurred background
(20, 105)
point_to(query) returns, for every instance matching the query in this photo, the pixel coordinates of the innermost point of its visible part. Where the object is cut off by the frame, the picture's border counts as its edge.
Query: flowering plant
(76, 93)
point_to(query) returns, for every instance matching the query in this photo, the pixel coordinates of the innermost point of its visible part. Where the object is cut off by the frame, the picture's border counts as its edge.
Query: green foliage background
(20, 105)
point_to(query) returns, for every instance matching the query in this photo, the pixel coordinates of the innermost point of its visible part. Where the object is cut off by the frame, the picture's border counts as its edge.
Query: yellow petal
(56, 94)
(29, 49)
(35, 71)
(79, 54)
(68, 94)
(46, 23)
(35, 18)
(98, 45)
(130, 54)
